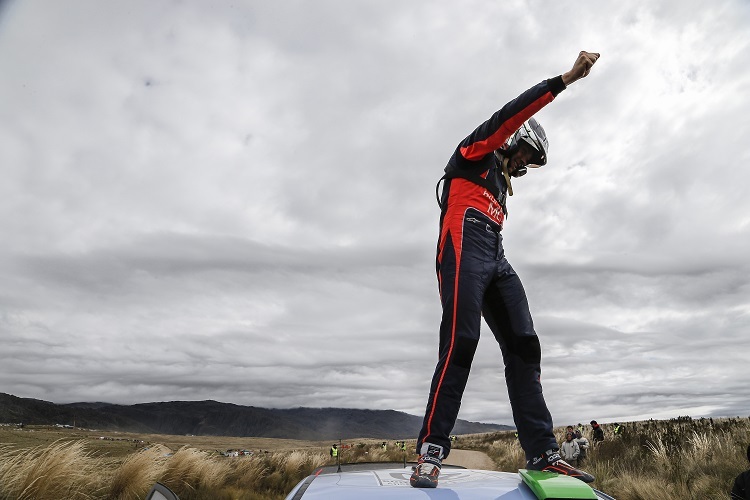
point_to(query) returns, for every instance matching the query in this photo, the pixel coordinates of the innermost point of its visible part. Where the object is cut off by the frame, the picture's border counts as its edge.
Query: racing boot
(427, 471)
(551, 461)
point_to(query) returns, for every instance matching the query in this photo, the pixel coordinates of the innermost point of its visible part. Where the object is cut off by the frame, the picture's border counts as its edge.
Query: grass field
(121, 444)
(653, 460)
(41, 462)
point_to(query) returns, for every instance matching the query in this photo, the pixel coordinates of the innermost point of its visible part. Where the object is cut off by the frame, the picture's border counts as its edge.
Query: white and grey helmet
(532, 134)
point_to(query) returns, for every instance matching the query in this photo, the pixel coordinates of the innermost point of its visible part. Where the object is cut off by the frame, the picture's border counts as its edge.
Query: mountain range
(212, 418)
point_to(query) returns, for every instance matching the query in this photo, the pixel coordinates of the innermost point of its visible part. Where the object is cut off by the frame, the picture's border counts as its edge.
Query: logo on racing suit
(494, 209)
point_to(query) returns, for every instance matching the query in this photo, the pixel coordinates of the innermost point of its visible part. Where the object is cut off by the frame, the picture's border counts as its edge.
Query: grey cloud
(193, 196)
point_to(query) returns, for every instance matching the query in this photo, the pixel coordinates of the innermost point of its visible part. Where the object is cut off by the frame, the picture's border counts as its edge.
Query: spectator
(598, 432)
(570, 450)
(583, 444)
(618, 430)
(741, 488)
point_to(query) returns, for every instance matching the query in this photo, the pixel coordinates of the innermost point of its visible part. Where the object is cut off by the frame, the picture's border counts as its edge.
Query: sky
(235, 201)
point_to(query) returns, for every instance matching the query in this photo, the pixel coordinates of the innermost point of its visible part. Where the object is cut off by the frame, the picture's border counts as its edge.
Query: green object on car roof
(551, 486)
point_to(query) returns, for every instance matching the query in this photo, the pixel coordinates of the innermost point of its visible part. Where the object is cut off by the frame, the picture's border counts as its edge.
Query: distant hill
(211, 418)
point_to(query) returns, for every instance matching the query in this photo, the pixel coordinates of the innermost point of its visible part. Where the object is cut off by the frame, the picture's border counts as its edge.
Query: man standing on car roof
(476, 280)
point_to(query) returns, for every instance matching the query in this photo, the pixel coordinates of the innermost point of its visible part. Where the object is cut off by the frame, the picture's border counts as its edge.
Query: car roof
(455, 484)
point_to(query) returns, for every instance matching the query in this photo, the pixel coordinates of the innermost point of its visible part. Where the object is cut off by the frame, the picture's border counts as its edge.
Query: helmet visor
(530, 137)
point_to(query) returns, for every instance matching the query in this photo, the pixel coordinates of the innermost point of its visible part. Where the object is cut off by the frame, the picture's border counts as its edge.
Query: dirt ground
(470, 459)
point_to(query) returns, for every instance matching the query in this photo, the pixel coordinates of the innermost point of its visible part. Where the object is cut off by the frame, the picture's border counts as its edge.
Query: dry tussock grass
(191, 470)
(250, 473)
(682, 458)
(379, 455)
(60, 470)
(507, 454)
(65, 470)
(653, 460)
(138, 473)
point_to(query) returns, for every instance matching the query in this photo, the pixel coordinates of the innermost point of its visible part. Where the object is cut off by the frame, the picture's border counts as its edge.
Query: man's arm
(581, 67)
(493, 133)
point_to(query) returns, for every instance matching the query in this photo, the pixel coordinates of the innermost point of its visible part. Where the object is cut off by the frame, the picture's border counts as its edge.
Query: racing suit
(475, 279)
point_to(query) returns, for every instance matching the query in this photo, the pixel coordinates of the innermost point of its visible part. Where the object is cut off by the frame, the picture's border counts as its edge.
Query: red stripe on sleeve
(481, 148)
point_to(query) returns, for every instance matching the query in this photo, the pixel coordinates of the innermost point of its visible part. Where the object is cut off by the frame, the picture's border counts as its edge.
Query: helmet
(532, 134)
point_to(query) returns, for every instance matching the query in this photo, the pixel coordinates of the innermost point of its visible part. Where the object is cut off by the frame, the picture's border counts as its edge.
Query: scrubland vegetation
(652, 460)
(87, 468)
(64, 469)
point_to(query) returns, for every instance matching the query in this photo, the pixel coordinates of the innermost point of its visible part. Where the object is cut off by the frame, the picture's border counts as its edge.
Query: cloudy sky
(236, 201)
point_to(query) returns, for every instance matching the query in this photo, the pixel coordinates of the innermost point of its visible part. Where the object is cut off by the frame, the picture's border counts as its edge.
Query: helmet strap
(507, 176)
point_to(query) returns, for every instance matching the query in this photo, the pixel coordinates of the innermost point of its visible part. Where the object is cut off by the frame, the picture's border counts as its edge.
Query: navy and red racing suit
(475, 279)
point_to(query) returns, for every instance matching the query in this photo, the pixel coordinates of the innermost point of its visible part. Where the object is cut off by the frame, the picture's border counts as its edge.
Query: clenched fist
(581, 67)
